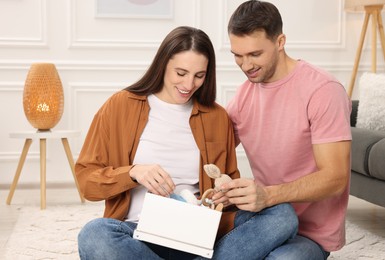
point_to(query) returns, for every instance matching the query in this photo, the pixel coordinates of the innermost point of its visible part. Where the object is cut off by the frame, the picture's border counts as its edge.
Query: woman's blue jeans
(254, 236)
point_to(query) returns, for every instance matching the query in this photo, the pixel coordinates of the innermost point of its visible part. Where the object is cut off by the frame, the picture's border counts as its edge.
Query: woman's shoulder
(218, 107)
(215, 107)
(217, 110)
(122, 99)
(124, 94)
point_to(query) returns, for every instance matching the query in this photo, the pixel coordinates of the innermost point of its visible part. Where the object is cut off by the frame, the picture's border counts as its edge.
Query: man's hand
(220, 197)
(245, 194)
(154, 178)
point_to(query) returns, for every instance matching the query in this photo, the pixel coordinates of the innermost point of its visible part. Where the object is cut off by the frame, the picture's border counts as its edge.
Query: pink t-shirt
(278, 122)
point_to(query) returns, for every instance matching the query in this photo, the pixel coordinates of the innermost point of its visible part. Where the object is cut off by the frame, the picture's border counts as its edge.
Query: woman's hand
(154, 178)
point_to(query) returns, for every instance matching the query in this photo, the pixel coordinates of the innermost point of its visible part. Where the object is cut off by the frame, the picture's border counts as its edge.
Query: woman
(155, 136)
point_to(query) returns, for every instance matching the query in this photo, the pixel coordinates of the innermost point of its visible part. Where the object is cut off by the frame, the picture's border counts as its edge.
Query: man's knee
(289, 217)
(298, 248)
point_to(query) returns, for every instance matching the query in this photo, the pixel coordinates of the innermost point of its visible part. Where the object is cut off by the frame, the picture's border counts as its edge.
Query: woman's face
(185, 74)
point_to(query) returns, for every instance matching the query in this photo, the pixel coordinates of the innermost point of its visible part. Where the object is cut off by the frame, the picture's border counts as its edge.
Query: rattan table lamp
(372, 8)
(43, 98)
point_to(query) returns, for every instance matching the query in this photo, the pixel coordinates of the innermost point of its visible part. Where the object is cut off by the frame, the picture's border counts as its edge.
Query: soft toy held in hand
(214, 172)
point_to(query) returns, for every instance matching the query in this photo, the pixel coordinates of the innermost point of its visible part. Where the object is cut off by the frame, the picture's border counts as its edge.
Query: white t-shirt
(167, 140)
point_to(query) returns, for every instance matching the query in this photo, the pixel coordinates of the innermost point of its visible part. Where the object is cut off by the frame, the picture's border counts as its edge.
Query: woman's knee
(90, 233)
(101, 229)
(96, 238)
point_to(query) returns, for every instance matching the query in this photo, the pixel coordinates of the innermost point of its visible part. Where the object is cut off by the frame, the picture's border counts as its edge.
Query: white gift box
(178, 225)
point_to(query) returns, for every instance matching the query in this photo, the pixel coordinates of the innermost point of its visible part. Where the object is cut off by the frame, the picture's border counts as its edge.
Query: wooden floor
(362, 213)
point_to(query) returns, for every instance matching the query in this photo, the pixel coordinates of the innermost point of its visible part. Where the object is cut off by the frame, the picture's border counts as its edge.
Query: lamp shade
(43, 98)
(358, 5)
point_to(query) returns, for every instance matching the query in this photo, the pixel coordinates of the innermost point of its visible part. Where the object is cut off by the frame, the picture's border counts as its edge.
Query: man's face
(256, 55)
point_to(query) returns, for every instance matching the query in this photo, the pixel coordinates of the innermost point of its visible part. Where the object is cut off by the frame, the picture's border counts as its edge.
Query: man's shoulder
(316, 73)
(311, 79)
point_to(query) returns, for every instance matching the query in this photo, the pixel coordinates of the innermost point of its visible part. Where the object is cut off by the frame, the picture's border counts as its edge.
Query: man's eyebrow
(249, 53)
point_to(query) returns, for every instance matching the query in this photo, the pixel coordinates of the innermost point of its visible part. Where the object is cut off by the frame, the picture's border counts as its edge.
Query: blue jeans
(299, 248)
(254, 236)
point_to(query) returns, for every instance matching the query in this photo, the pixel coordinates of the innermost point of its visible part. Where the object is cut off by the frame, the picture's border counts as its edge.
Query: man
(293, 122)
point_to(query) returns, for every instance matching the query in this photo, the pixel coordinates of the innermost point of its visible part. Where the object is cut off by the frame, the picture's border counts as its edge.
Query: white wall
(96, 56)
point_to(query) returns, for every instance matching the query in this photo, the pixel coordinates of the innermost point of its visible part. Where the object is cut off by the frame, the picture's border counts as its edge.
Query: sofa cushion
(376, 162)
(363, 141)
(367, 188)
(371, 111)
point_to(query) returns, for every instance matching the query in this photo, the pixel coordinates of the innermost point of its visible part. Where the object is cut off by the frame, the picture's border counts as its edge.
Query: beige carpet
(360, 245)
(52, 234)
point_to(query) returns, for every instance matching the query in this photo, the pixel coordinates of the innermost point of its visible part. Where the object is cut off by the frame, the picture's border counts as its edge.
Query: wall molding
(75, 42)
(337, 44)
(142, 66)
(77, 65)
(32, 42)
(89, 87)
(136, 16)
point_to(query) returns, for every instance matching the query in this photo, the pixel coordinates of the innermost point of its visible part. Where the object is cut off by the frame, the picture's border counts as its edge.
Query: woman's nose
(190, 83)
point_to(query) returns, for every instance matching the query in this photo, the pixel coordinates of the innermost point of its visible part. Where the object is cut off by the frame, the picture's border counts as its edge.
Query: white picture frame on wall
(134, 9)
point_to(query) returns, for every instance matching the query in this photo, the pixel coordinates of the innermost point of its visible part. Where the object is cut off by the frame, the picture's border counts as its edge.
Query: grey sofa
(368, 162)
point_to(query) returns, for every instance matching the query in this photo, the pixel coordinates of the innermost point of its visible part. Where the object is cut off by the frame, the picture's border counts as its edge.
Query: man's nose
(246, 64)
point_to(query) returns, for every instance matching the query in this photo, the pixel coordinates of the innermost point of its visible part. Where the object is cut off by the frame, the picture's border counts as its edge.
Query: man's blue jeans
(299, 248)
(254, 236)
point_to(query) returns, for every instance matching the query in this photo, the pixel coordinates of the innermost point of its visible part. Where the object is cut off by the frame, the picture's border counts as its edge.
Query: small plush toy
(213, 172)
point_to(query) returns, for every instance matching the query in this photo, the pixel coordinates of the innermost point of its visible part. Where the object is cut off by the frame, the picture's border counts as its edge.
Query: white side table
(42, 136)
